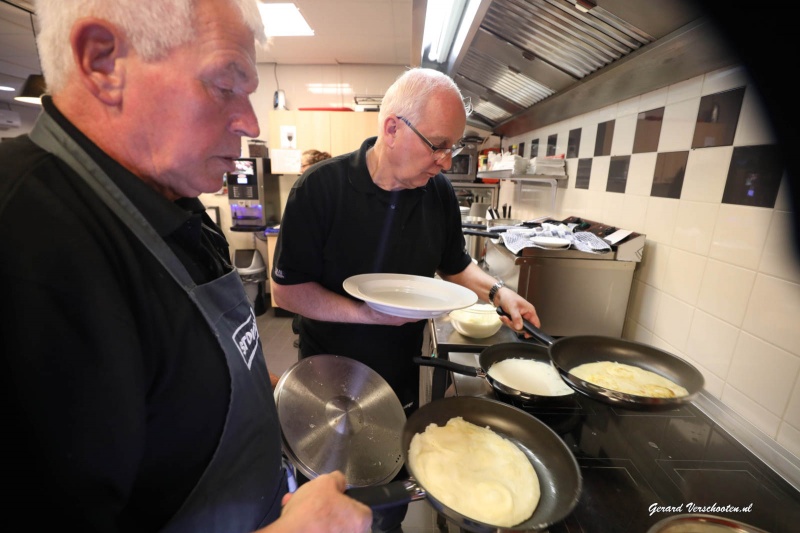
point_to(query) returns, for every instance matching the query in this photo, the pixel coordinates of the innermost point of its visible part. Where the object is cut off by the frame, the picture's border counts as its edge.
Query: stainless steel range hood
(529, 63)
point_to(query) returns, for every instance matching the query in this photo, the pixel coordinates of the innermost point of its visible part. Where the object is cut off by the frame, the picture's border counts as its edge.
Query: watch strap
(493, 291)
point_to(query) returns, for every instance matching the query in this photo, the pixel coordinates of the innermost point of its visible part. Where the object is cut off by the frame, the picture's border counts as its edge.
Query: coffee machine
(254, 195)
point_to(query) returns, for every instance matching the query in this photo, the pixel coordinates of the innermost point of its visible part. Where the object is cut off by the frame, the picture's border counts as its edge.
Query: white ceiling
(365, 32)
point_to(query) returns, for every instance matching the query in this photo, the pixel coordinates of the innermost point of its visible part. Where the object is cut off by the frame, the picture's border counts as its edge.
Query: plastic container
(477, 321)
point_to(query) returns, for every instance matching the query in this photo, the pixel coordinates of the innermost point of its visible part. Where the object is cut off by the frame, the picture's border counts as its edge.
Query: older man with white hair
(135, 392)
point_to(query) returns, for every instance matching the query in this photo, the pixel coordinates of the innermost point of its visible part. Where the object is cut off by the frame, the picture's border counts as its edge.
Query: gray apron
(242, 486)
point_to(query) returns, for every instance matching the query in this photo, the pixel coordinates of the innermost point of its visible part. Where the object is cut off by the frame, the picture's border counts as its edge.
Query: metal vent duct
(527, 62)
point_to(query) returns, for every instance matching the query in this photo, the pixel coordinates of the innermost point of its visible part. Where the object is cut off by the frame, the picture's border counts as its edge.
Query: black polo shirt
(337, 223)
(115, 390)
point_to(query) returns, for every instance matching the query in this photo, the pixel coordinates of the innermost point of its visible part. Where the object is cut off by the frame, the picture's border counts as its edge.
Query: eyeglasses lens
(441, 153)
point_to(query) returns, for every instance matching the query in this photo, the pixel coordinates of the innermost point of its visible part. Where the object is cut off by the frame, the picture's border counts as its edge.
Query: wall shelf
(552, 181)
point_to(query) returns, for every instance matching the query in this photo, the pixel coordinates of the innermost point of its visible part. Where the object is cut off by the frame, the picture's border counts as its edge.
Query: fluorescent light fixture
(6, 88)
(283, 20)
(434, 36)
(33, 90)
(442, 21)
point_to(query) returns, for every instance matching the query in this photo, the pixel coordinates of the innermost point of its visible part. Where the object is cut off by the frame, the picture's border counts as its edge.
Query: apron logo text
(246, 339)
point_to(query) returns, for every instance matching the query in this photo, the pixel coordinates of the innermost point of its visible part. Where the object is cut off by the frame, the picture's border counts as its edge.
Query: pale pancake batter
(532, 377)
(475, 472)
(628, 379)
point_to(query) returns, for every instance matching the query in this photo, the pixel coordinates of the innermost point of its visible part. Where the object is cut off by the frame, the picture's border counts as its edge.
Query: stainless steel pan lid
(338, 414)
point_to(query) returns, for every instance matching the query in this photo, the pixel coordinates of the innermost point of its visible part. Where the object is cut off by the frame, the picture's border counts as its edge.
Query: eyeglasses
(438, 153)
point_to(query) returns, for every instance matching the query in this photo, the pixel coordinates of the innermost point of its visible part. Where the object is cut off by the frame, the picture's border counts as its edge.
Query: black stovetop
(640, 467)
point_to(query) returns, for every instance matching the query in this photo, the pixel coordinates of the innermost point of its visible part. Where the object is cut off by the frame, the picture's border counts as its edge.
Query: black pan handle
(490, 234)
(389, 495)
(530, 328)
(448, 365)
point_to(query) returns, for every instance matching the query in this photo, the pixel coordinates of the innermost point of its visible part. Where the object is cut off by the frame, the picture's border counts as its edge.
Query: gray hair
(412, 90)
(153, 28)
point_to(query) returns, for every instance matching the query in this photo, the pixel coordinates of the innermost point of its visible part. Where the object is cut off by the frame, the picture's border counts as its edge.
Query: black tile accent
(669, 174)
(534, 148)
(754, 176)
(574, 143)
(618, 173)
(583, 174)
(605, 134)
(552, 142)
(648, 131)
(717, 118)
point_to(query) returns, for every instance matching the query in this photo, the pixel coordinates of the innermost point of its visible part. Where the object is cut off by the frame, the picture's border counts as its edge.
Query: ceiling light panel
(283, 20)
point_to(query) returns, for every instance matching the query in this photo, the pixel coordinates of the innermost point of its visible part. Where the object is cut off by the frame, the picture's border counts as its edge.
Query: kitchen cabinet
(312, 129)
(335, 132)
(348, 130)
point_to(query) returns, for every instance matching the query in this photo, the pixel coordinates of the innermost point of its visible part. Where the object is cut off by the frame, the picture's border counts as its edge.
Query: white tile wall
(653, 100)
(684, 275)
(640, 174)
(780, 254)
(740, 234)
(753, 127)
(662, 215)
(624, 129)
(678, 126)
(719, 284)
(711, 343)
(771, 301)
(694, 226)
(709, 170)
(725, 291)
(724, 80)
(763, 372)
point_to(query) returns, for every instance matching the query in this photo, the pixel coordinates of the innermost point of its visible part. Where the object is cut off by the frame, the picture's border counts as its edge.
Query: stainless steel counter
(575, 293)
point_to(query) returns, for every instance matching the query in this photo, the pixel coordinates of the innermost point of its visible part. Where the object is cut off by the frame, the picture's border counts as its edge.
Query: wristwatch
(493, 291)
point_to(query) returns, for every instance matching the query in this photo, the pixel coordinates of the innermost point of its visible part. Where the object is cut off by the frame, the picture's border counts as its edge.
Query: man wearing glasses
(385, 208)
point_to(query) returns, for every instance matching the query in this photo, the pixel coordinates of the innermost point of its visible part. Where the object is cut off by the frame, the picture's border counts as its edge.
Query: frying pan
(570, 352)
(494, 354)
(559, 477)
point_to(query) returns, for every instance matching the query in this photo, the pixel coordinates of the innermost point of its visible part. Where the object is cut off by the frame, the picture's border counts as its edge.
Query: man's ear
(99, 51)
(389, 130)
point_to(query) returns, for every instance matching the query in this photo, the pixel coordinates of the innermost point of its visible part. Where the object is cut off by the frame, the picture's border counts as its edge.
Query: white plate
(409, 296)
(550, 242)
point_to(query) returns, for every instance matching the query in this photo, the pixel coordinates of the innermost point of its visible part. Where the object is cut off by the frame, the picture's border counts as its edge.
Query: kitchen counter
(640, 467)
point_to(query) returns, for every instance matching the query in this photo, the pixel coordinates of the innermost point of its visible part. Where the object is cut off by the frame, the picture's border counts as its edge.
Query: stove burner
(638, 467)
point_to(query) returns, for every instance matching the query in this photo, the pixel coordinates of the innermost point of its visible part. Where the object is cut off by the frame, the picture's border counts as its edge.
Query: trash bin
(251, 268)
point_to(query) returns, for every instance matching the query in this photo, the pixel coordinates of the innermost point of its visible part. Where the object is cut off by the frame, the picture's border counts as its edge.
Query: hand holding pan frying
(500, 352)
(558, 472)
(567, 353)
